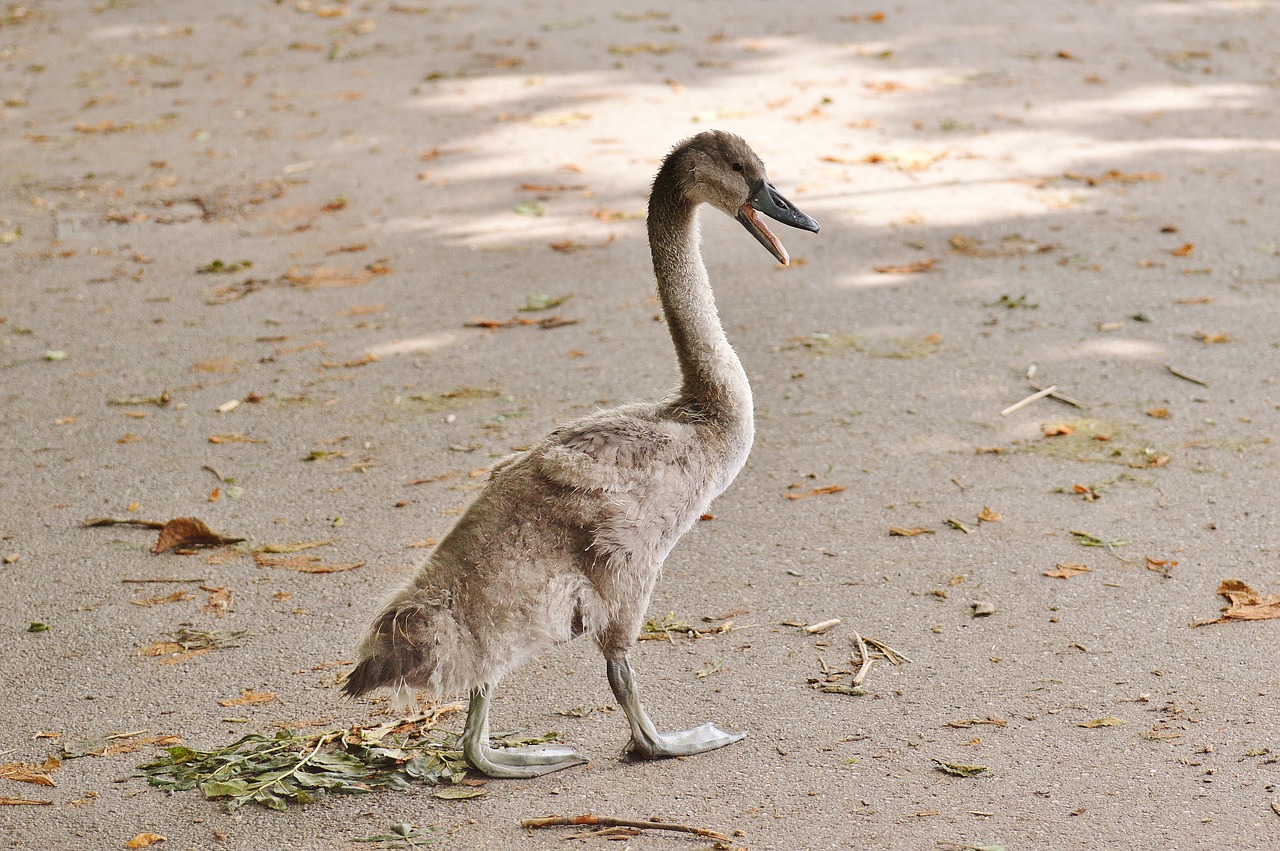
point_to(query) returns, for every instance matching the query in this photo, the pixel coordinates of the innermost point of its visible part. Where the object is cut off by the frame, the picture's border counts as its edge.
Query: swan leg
(514, 763)
(646, 741)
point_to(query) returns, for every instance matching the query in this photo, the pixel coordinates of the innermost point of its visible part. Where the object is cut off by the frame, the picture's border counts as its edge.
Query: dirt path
(286, 219)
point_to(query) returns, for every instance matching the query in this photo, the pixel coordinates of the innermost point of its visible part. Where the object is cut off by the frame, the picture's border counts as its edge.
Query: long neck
(713, 379)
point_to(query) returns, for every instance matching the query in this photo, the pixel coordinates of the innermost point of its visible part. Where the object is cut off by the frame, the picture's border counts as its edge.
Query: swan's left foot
(705, 737)
(519, 763)
(646, 741)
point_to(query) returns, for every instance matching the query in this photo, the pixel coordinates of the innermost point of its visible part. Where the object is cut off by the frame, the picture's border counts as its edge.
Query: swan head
(721, 170)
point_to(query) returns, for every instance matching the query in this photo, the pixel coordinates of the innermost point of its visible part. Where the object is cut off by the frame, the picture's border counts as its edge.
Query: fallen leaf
(186, 532)
(1183, 251)
(175, 597)
(249, 697)
(458, 793)
(958, 770)
(907, 268)
(24, 772)
(556, 321)
(1108, 721)
(1066, 570)
(1058, 430)
(219, 601)
(233, 438)
(304, 564)
(536, 303)
(815, 492)
(1246, 603)
(145, 840)
(986, 515)
(900, 532)
(1158, 413)
(292, 548)
(1163, 566)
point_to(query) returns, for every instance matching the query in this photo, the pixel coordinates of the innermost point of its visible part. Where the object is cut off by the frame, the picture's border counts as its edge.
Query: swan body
(568, 538)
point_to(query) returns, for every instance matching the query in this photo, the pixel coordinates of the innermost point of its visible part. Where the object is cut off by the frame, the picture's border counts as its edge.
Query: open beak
(770, 202)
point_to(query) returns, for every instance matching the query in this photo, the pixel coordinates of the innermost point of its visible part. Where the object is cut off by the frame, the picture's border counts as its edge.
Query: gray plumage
(569, 537)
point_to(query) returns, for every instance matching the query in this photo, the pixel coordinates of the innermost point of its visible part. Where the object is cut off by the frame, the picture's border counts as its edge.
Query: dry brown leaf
(1066, 570)
(219, 601)
(1158, 413)
(187, 532)
(1058, 430)
(1185, 250)
(249, 697)
(145, 840)
(986, 515)
(304, 564)
(24, 772)
(364, 360)
(233, 438)
(1246, 603)
(175, 597)
(815, 492)
(556, 321)
(907, 268)
(900, 532)
(1161, 566)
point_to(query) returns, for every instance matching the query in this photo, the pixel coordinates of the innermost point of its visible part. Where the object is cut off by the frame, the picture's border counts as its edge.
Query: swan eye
(737, 167)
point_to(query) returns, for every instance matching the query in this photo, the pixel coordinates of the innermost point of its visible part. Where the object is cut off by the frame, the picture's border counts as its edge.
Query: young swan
(569, 537)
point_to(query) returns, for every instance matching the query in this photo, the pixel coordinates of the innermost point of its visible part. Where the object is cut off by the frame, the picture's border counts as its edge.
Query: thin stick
(1018, 406)
(865, 668)
(213, 470)
(116, 521)
(814, 629)
(1061, 397)
(149, 581)
(892, 655)
(606, 821)
(1184, 376)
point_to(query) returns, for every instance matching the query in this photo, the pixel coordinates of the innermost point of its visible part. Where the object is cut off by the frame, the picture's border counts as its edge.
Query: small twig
(148, 581)
(1185, 377)
(865, 667)
(823, 626)
(116, 521)
(894, 656)
(1018, 406)
(213, 470)
(606, 821)
(1061, 397)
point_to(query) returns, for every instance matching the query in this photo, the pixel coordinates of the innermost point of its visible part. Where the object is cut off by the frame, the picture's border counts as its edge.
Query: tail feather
(369, 675)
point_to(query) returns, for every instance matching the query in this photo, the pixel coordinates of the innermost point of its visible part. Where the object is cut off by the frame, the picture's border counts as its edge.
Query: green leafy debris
(217, 267)
(955, 769)
(535, 303)
(291, 767)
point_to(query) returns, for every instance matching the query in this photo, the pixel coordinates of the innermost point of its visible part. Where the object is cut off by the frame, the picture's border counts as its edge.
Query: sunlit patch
(415, 345)
(1120, 347)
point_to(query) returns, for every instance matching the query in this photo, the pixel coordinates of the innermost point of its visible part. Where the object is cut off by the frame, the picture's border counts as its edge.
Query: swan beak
(769, 201)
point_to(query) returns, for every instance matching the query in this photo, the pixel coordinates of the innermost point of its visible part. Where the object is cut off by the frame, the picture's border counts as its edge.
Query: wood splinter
(606, 821)
(821, 627)
(1040, 394)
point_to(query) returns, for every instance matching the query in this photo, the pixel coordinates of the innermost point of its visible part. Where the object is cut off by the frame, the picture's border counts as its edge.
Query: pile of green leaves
(292, 767)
